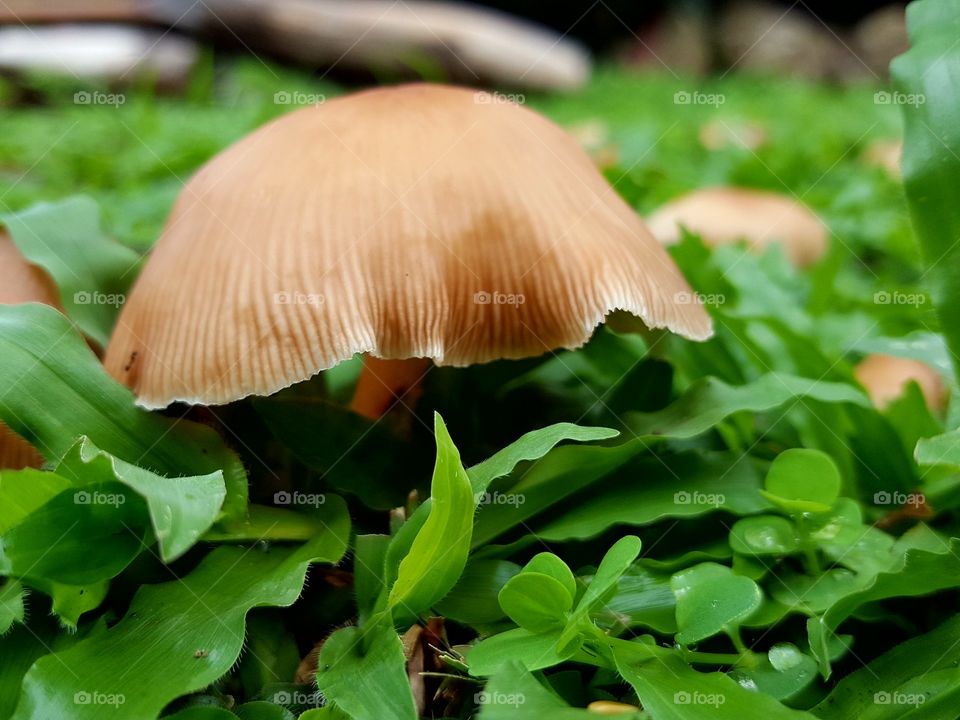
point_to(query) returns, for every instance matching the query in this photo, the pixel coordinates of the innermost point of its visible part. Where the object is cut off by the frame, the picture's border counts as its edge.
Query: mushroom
(720, 135)
(885, 378)
(723, 215)
(20, 282)
(417, 223)
(884, 154)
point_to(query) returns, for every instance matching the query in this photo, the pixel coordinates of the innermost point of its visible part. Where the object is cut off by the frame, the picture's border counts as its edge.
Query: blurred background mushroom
(724, 215)
(885, 378)
(20, 282)
(421, 222)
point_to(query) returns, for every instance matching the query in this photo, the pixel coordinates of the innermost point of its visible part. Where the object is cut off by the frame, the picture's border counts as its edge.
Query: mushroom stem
(385, 382)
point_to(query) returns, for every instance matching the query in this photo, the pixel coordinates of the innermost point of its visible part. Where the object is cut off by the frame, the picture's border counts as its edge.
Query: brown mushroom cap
(885, 378)
(416, 221)
(723, 215)
(20, 282)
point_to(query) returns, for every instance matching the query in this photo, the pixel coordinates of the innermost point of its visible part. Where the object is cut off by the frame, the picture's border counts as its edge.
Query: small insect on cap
(20, 282)
(724, 215)
(419, 221)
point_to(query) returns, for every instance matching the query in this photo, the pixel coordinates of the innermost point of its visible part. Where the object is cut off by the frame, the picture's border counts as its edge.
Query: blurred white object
(113, 53)
(472, 44)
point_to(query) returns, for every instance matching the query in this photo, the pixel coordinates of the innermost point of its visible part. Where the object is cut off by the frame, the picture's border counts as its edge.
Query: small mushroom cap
(20, 282)
(885, 378)
(723, 215)
(415, 221)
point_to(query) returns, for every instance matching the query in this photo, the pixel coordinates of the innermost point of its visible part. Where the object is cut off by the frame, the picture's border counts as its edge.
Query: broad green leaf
(549, 564)
(783, 673)
(12, 607)
(260, 710)
(180, 636)
(79, 537)
(550, 480)
(644, 598)
(669, 689)
(92, 272)
(354, 454)
(711, 600)
(201, 712)
(764, 535)
(801, 480)
(439, 552)
(648, 490)
(536, 602)
(602, 587)
(271, 655)
(473, 600)
(890, 687)
(23, 491)
(709, 400)
(60, 392)
(515, 694)
(918, 572)
(367, 684)
(181, 508)
(939, 450)
(928, 76)
(532, 446)
(615, 563)
(533, 651)
(368, 571)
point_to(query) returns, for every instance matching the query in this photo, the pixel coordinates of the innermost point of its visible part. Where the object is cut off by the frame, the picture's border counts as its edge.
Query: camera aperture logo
(499, 498)
(684, 97)
(899, 499)
(85, 297)
(696, 697)
(899, 698)
(699, 499)
(496, 297)
(885, 97)
(298, 698)
(685, 297)
(293, 297)
(482, 97)
(296, 97)
(499, 698)
(299, 498)
(85, 697)
(97, 498)
(85, 97)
